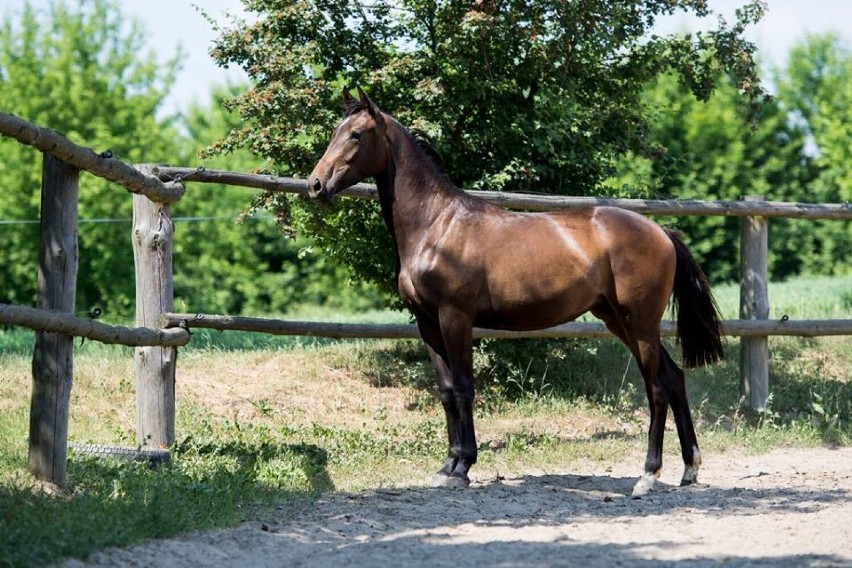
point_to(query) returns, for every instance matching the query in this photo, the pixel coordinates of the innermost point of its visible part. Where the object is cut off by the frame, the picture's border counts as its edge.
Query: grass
(265, 421)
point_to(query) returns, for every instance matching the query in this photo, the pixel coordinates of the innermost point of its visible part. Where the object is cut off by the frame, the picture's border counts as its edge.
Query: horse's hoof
(687, 481)
(458, 481)
(442, 480)
(690, 476)
(644, 486)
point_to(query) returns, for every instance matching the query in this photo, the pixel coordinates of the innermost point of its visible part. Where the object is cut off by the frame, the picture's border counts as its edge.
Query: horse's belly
(541, 296)
(526, 316)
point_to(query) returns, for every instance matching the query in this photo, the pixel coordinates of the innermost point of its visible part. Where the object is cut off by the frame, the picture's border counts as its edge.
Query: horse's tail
(698, 319)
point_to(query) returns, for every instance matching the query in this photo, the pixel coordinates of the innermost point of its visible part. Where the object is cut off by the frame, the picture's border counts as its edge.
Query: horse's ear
(350, 103)
(367, 103)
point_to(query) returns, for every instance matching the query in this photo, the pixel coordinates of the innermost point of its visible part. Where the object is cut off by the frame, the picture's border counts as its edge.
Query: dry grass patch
(103, 399)
(305, 386)
(15, 382)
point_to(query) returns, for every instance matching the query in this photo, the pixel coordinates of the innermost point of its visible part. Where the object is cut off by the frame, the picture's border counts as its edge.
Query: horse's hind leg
(668, 388)
(648, 357)
(683, 420)
(646, 348)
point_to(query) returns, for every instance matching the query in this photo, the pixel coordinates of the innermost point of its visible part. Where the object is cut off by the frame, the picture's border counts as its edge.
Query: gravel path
(790, 507)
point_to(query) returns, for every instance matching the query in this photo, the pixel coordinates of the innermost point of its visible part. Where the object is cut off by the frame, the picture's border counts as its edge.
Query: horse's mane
(425, 144)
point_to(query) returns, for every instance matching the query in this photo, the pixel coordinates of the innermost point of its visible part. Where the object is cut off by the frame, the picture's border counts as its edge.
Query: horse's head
(357, 150)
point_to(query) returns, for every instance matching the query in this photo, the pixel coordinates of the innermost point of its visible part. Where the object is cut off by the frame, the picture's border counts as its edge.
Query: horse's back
(628, 234)
(533, 270)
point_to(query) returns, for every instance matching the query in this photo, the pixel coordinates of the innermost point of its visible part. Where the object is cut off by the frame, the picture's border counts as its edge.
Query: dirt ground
(790, 507)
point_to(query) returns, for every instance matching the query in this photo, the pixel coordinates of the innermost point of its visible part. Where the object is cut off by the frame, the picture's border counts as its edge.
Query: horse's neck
(412, 192)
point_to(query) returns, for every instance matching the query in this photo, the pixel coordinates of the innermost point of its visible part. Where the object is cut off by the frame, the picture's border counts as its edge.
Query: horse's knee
(463, 396)
(446, 396)
(456, 397)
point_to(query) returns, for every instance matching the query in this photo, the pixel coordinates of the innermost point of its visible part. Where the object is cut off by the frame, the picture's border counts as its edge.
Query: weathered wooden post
(153, 233)
(754, 305)
(53, 355)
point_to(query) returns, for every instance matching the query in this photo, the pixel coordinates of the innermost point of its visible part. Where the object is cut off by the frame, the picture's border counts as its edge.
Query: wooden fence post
(153, 233)
(754, 305)
(53, 355)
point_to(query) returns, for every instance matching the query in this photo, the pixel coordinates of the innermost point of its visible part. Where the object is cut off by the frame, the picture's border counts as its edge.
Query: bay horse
(463, 262)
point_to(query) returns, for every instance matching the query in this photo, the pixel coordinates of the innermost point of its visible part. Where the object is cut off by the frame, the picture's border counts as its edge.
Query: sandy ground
(791, 507)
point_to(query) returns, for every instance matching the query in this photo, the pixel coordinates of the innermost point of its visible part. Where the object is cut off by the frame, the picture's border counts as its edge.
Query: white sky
(177, 22)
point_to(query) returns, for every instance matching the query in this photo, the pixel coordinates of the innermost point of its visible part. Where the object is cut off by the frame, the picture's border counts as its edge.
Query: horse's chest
(420, 284)
(407, 290)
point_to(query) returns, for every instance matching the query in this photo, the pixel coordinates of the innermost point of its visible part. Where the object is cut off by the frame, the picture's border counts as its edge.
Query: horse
(463, 262)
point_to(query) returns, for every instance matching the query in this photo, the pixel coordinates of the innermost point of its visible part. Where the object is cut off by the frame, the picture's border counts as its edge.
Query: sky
(171, 23)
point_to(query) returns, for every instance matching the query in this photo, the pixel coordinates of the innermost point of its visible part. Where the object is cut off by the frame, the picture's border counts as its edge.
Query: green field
(263, 421)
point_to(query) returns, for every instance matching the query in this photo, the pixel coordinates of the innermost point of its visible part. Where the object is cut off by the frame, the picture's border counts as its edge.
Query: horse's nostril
(317, 185)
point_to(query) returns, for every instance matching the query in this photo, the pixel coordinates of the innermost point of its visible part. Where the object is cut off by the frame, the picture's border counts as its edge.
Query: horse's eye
(356, 135)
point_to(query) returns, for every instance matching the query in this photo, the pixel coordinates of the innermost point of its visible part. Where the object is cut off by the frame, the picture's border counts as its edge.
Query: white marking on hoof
(645, 484)
(439, 480)
(442, 480)
(690, 472)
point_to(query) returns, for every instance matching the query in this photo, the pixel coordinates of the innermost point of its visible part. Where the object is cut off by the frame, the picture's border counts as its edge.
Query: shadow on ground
(551, 520)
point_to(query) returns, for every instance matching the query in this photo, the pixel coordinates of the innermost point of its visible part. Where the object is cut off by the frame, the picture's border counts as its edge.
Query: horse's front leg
(444, 380)
(457, 333)
(450, 347)
(434, 344)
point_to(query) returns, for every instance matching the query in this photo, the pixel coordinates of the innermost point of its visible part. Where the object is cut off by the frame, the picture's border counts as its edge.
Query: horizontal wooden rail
(48, 320)
(803, 328)
(536, 202)
(101, 165)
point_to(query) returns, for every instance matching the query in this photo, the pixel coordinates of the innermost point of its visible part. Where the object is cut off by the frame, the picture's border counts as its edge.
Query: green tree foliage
(816, 89)
(517, 95)
(82, 72)
(796, 150)
(711, 152)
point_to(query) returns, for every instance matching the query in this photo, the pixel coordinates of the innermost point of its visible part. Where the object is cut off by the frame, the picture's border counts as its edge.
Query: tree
(517, 95)
(82, 72)
(709, 151)
(796, 150)
(815, 90)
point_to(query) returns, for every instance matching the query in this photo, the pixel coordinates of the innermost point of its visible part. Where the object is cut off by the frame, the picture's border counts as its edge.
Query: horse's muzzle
(318, 190)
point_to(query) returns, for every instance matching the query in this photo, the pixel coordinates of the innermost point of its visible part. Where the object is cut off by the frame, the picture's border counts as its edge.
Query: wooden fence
(53, 361)
(753, 327)
(160, 332)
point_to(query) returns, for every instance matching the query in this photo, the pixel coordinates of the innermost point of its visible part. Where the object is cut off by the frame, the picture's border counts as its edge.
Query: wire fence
(129, 220)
